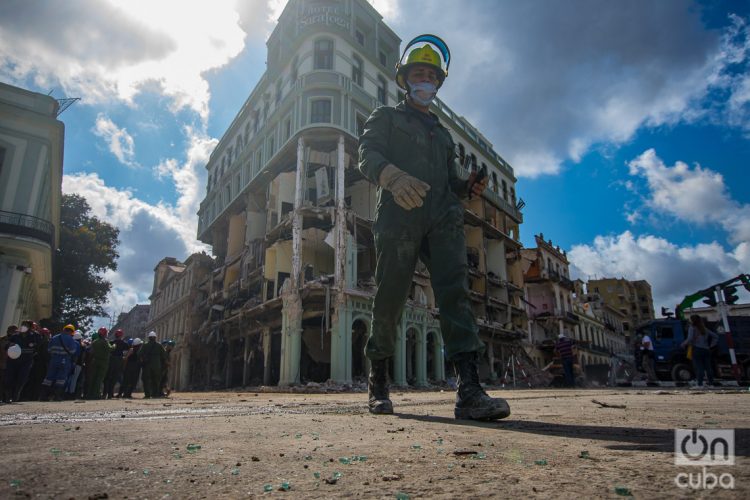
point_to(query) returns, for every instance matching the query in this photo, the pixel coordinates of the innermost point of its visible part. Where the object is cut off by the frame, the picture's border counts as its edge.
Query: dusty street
(238, 444)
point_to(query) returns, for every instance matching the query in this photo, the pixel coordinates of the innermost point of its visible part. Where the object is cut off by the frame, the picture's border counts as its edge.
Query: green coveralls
(434, 232)
(100, 353)
(152, 357)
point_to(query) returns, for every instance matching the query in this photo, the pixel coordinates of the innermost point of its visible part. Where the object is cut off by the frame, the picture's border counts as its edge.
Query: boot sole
(481, 413)
(381, 407)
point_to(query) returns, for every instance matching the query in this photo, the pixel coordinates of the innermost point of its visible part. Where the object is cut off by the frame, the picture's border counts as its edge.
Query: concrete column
(10, 288)
(341, 332)
(266, 355)
(491, 358)
(399, 357)
(421, 368)
(245, 360)
(291, 320)
(228, 364)
(439, 357)
(184, 369)
(341, 346)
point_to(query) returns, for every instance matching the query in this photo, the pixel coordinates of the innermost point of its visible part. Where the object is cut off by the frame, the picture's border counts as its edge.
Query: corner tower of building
(289, 217)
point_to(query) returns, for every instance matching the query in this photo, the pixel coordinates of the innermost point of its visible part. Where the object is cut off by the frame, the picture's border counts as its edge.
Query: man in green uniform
(152, 357)
(411, 157)
(100, 353)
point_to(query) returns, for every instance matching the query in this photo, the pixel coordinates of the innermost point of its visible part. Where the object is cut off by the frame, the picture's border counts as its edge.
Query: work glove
(407, 191)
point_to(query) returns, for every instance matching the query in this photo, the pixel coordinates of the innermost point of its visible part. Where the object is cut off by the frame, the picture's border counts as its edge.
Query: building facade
(549, 298)
(289, 217)
(31, 163)
(172, 314)
(133, 323)
(632, 298)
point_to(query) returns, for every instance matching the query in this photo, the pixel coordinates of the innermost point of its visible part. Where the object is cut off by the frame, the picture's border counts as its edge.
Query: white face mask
(423, 93)
(24, 329)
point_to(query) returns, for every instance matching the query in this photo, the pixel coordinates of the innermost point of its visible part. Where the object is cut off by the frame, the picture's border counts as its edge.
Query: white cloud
(148, 232)
(548, 81)
(673, 271)
(119, 141)
(103, 51)
(695, 195)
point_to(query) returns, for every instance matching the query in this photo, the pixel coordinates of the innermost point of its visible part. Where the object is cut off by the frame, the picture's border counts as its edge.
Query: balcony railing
(27, 225)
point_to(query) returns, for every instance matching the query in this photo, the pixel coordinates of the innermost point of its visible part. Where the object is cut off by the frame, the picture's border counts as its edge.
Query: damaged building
(289, 219)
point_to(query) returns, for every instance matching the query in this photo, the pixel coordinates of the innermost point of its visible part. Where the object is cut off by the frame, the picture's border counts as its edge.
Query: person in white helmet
(4, 345)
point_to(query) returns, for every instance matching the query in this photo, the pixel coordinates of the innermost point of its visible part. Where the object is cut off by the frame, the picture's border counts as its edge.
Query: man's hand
(407, 191)
(477, 187)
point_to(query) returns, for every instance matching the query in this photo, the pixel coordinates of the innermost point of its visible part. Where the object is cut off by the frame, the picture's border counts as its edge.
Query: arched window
(461, 152)
(323, 58)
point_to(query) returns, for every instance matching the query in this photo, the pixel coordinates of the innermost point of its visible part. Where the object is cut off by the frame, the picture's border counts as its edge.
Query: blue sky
(628, 123)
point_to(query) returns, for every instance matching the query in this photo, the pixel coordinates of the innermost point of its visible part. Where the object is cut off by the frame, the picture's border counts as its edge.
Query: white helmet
(77, 335)
(137, 341)
(151, 334)
(14, 351)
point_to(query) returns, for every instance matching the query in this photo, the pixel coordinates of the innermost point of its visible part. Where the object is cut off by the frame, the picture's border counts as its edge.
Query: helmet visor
(437, 54)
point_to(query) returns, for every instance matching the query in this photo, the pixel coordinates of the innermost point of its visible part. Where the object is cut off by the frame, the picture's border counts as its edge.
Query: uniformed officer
(153, 357)
(100, 353)
(411, 157)
(17, 370)
(63, 350)
(116, 364)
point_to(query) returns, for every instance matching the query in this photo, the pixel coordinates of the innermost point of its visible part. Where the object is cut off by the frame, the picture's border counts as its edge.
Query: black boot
(44, 393)
(59, 393)
(377, 388)
(472, 403)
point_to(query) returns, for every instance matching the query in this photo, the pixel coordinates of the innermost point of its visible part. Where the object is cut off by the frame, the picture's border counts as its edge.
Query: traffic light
(710, 299)
(730, 295)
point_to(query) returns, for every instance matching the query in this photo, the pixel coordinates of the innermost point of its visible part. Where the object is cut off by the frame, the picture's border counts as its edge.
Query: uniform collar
(405, 108)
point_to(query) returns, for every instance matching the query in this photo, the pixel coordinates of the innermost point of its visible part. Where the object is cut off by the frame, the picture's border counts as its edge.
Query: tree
(88, 247)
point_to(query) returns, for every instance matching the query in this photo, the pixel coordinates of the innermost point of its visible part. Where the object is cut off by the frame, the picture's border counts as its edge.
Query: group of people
(699, 344)
(36, 365)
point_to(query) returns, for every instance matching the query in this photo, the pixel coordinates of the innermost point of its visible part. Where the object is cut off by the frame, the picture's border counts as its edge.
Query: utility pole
(722, 306)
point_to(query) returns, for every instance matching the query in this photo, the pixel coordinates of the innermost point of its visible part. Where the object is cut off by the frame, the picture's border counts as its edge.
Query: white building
(31, 163)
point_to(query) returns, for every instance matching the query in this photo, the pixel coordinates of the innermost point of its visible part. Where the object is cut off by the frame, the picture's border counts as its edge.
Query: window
(382, 91)
(278, 92)
(357, 70)
(383, 59)
(208, 184)
(271, 147)
(505, 190)
(323, 54)
(360, 37)
(320, 111)
(494, 182)
(247, 133)
(461, 153)
(473, 162)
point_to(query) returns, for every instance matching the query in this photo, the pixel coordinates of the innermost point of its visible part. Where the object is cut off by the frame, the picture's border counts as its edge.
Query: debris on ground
(607, 405)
